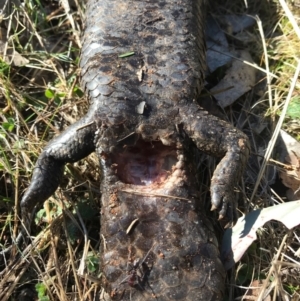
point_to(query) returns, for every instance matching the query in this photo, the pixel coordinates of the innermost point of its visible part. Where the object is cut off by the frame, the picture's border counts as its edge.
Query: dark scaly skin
(150, 213)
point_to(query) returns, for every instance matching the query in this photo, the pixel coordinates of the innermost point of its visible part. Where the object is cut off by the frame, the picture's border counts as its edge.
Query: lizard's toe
(225, 202)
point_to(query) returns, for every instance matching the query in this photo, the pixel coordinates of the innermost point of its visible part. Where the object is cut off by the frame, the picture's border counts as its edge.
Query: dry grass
(41, 99)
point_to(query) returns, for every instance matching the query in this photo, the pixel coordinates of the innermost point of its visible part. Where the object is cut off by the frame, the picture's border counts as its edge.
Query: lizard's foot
(223, 198)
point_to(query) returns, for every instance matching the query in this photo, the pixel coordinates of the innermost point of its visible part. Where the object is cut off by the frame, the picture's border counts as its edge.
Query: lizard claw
(221, 216)
(213, 207)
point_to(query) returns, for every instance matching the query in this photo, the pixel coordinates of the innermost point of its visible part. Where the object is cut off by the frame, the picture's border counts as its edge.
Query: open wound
(145, 163)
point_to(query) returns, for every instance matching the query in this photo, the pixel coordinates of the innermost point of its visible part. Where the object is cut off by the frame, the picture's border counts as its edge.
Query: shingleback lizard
(143, 119)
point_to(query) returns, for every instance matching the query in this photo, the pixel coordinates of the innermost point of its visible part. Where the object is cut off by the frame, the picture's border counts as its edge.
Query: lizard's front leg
(218, 138)
(72, 145)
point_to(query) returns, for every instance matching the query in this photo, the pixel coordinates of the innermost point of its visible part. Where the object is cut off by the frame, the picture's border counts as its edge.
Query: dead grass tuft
(270, 269)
